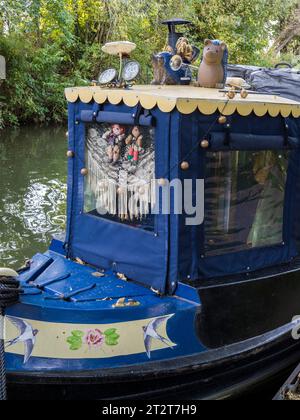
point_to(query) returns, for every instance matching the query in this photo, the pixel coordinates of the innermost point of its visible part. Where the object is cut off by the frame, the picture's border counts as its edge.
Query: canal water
(33, 177)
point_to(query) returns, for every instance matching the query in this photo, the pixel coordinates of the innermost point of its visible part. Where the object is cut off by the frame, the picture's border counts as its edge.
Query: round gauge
(107, 76)
(131, 71)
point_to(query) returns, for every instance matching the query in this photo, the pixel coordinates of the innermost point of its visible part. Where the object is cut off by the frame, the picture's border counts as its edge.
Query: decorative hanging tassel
(119, 191)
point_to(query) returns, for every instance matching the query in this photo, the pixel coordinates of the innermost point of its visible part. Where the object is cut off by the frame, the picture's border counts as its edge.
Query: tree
(51, 44)
(289, 31)
(248, 27)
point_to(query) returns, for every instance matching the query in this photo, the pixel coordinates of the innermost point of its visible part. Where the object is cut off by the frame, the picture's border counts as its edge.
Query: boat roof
(187, 99)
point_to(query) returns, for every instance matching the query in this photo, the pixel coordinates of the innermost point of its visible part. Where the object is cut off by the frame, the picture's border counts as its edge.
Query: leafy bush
(51, 44)
(34, 87)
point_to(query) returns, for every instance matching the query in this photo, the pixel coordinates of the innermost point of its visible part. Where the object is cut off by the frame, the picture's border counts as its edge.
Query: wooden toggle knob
(222, 119)
(84, 171)
(185, 166)
(204, 144)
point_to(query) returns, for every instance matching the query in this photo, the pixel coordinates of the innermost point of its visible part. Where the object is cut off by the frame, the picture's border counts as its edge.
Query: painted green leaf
(77, 333)
(111, 341)
(75, 340)
(75, 346)
(70, 340)
(111, 331)
(114, 336)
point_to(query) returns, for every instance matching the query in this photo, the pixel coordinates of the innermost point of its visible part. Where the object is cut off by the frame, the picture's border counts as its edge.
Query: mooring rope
(9, 295)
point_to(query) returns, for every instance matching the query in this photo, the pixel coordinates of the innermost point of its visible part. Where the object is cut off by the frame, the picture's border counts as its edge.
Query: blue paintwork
(58, 245)
(176, 75)
(87, 308)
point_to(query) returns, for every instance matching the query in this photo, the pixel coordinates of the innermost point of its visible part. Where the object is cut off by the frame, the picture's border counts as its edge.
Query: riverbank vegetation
(51, 44)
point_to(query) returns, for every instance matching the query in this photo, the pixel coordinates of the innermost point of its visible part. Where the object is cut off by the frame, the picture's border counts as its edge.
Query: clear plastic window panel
(244, 200)
(121, 167)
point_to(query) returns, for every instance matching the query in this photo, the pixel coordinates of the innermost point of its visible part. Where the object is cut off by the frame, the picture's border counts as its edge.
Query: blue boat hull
(100, 336)
(221, 374)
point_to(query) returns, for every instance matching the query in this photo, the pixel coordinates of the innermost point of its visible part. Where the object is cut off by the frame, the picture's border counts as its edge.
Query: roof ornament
(213, 68)
(129, 70)
(174, 36)
(173, 66)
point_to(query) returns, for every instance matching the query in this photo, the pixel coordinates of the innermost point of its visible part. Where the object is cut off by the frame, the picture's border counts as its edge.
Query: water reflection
(32, 191)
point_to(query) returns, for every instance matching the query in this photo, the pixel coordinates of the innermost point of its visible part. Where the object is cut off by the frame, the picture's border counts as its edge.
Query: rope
(9, 295)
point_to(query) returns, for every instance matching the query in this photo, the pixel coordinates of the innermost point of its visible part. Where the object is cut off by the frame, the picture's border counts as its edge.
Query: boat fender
(8, 272)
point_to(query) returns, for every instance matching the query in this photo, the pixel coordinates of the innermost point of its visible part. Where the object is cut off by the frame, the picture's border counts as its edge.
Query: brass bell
(222, 119)
(70, 154)
(84, 171)
(204, 144)
(185, 166)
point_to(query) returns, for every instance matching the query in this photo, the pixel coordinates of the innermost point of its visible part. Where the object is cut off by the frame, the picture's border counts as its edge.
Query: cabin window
(244, 200)
(121, 166)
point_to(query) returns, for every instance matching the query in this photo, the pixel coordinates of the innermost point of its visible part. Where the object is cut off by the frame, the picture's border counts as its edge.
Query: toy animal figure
(164, 74)
(135, 143)
(185, 50)
(114, 138)
(213, 68)
(161, 76)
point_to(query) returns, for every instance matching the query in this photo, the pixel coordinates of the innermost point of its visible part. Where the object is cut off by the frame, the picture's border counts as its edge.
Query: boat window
(244, 200)
(121, 165)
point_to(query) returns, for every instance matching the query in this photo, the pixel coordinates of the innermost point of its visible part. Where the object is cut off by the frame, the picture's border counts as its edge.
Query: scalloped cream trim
(187, 99)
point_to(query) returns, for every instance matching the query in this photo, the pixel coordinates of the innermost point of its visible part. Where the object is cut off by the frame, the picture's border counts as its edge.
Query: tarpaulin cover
(285, 82)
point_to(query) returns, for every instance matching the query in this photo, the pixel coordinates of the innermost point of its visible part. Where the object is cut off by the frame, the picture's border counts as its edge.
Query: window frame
(241, 247)
(110, 218)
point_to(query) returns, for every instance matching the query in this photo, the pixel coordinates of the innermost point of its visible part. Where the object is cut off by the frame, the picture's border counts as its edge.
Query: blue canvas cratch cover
(110, 224)
(251, 172)
(251, 176)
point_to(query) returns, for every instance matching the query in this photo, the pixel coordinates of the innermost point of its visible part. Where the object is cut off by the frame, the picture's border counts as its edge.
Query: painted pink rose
(94, 338)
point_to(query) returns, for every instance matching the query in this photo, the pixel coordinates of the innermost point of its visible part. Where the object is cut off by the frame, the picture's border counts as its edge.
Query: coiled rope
(9, 295)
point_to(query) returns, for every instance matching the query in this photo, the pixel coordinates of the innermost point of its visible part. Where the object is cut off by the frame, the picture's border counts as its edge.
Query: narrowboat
(179, 272)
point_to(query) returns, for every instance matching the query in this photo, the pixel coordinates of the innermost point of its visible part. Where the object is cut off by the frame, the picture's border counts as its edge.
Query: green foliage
(248, 27)
(34, 87)
(51, 44)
